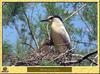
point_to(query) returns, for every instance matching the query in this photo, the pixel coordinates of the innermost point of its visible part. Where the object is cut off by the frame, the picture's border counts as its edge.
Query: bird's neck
(56, 25)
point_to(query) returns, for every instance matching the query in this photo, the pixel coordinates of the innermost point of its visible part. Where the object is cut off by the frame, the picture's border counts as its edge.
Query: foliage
(7, 52)
(19, 50)
(90, 12)
(10, 10)
(7, 48)
(25, 19)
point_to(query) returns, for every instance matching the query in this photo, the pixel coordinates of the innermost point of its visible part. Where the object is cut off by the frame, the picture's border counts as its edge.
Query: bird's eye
(51, 18)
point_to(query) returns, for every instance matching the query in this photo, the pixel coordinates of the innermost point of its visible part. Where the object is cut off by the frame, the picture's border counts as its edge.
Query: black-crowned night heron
(59, 35)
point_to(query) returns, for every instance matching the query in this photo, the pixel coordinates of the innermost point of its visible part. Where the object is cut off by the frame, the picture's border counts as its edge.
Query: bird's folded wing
(65, 36)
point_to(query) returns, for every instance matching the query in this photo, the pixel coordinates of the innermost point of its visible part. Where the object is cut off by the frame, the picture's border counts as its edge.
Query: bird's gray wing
(65, 36)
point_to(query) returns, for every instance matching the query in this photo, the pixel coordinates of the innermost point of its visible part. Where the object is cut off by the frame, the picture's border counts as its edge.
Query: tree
(25, 19)
(7, 51)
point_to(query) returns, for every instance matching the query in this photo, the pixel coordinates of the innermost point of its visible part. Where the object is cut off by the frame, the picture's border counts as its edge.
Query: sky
(10, 34)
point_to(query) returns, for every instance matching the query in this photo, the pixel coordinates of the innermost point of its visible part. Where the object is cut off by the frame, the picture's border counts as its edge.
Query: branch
(16, 27)
(61, 55)
(83, 42)
(74, 12)
(83, 58)
(34, 38)
(48, 31)
(82, 18)
(84, 22)
(29, 45)
(78, 61)
(94, 59)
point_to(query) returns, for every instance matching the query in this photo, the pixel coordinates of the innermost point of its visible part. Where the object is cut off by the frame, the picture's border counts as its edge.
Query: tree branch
(48, 31)
(94, 59)
(83, 58)
(74, 12)
(83, 42)
(29, 45)
(61, 55)
(34, 38)
(84, 22)
(78, 61)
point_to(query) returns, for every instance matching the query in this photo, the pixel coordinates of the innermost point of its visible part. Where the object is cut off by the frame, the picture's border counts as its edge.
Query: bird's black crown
(56, 16)
(51, 17)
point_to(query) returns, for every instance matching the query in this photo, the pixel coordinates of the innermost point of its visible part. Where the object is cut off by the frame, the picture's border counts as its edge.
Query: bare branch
(61, 55)
(48, 31)
(74, 12)
(94, 59)
(28, 45)
(83, 58)
(84, 42)
(78, 55)
(84, 22)
(16, 27)
(33, 36)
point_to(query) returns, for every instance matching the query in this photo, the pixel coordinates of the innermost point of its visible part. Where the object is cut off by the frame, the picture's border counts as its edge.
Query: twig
(74, 12)
(78, 61)
(3, 4)
(78, 55)
(31, 31)
(48, 31)
(29, 45)
(61, 55)
(84, 22)
(83, 42)
(17, 29)
(83, 58)
(94, 59)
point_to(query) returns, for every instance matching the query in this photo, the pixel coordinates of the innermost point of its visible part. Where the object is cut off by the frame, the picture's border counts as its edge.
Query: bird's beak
(46, 20)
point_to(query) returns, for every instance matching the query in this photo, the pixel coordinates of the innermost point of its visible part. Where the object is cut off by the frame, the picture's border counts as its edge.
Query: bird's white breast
(59, 29)
(56, 26)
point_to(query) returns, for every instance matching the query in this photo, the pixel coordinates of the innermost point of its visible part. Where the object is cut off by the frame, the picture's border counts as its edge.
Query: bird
(59, 35)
